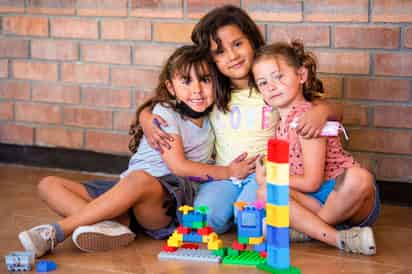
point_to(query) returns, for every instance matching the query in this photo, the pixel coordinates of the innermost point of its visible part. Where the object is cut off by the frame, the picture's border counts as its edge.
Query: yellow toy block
(174, 242)
(205, 238)
(277, 174)
(185, 209)
(277, 216)
(255, 240)
(215, 245)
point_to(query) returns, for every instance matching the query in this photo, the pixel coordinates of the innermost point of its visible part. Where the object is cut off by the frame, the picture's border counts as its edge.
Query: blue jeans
(219, 197)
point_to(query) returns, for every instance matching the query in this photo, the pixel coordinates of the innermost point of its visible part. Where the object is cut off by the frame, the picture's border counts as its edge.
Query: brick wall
(72, 72)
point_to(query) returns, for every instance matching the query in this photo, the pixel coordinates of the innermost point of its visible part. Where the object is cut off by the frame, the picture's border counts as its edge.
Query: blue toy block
(192, 237)
(198, 255)
(45, 266)
(249, 222)
(277, 194)
(19, 261)
(277, 236)
(194, 216)
(278, 257)
(260, 247)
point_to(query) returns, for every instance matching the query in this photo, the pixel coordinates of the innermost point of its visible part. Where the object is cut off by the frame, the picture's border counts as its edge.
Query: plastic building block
(277, 173)
(278, 151)
(277, 215)
(277, 194)
(185, 209)
(246, 257)
(289, 270)
(249, 222)
(192, 237)
(190, 246)
(19, 261)
(255, 240)
(278, 236)
(205, 230)
(183, 230)
(220, 252)
(45, 266)
(167, 248)
(214, 244)
(238, 246)
(243, 240)
(260, 247)
(198, 255)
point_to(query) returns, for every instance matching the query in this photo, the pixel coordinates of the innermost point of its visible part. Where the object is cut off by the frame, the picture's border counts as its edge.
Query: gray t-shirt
(198, 144)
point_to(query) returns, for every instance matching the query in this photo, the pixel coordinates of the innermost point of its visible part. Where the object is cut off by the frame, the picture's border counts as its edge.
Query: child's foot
(297, 236)
(357, 240)
(102, 236)
(40, 239)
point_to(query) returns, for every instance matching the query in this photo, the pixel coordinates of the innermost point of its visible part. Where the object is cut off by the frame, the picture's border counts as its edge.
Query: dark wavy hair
(295, 55)
(206, 30)
(181, 61)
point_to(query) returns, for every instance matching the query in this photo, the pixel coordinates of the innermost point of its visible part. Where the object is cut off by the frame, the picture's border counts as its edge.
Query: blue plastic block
(45, 266)
(260, 247)
(277, 194)
(277, 236)
(249, 222)
(193, 216)
(19, 261)
(198, 255)
(278, 257)
(192, 237)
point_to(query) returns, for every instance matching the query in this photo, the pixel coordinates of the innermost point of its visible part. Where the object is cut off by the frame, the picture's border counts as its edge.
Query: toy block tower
(277, 209)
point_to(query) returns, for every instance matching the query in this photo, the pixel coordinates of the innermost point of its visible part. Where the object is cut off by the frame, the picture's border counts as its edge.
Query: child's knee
(46, 184)
(359, 180)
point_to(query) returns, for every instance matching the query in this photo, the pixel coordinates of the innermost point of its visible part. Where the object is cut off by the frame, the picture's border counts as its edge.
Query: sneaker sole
(27, 243)
(92, 241)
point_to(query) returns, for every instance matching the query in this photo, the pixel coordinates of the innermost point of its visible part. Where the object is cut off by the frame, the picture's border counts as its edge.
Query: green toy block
(243, 240)
(267, 268)
(232, 252)
(198, 225)
(222, 252)
(247, 257)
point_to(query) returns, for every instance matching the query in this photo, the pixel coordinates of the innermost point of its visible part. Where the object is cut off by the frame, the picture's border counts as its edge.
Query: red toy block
(263, 254)
(237, 246)
(184, 230)
(190, 246)
(278, 151)
(167, 248)
(205, 230)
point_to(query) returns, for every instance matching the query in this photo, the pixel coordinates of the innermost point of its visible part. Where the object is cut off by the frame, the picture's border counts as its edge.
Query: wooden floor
(21, 209)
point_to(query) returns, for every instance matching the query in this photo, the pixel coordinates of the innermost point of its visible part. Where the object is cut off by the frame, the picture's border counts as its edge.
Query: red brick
(11, 6)
(392, 116)
(157, 8)
(106, 53)
(380, 140)
(59, 7)
(74, 28)
(14, 48)
(377, 89)
(25, 25)
(367, 37)
(133, 77)
(408, 38)
(54, 50)
(6, 110)
(40, 113)
(4, 68)
(196, 8)
(34, 70)
(336, 10)
(102, 7)
(55, 93)
(107, 142)
(312, 36)
(85, 73)
(283, 10)
(172, 32)
(123, 120)
(152, 55)
(120, 29)
(16, 134)
(106, 97)
(391, 11)
(332, 86)
(87, 117)
(394, 64)
(355, 114)
(59, 137)
(14, 90)
(351, 62)
(366, 161)
(395, 168)
(141, 97)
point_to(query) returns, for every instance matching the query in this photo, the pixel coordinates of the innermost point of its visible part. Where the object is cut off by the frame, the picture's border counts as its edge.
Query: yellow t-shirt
(246, 128)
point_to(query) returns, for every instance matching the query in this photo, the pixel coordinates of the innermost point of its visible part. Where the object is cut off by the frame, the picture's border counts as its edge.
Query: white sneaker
(357, 240)
(102, 236)
(39, 240)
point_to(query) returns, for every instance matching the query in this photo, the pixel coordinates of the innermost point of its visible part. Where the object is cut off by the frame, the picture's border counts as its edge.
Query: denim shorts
(322, 194)
(179, 191)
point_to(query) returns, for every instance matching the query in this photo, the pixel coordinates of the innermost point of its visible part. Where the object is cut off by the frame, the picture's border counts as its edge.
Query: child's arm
(312, 121)
(313, 155)
(176, 161)
(151, 125)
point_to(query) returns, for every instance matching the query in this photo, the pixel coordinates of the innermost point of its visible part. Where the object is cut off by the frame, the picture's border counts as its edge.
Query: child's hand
(261, 179)
(310, 124)
(156, 137)
(241, 166)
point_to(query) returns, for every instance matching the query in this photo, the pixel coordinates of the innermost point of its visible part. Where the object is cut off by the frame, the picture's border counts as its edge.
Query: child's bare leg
(63, 196)
(136, 188)
(352, 199)
(302, 219)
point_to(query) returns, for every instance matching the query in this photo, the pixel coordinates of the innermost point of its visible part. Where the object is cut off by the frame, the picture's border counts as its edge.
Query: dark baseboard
(391, 192)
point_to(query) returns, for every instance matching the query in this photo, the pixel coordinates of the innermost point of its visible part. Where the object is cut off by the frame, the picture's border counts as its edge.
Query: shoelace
(48, 234)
